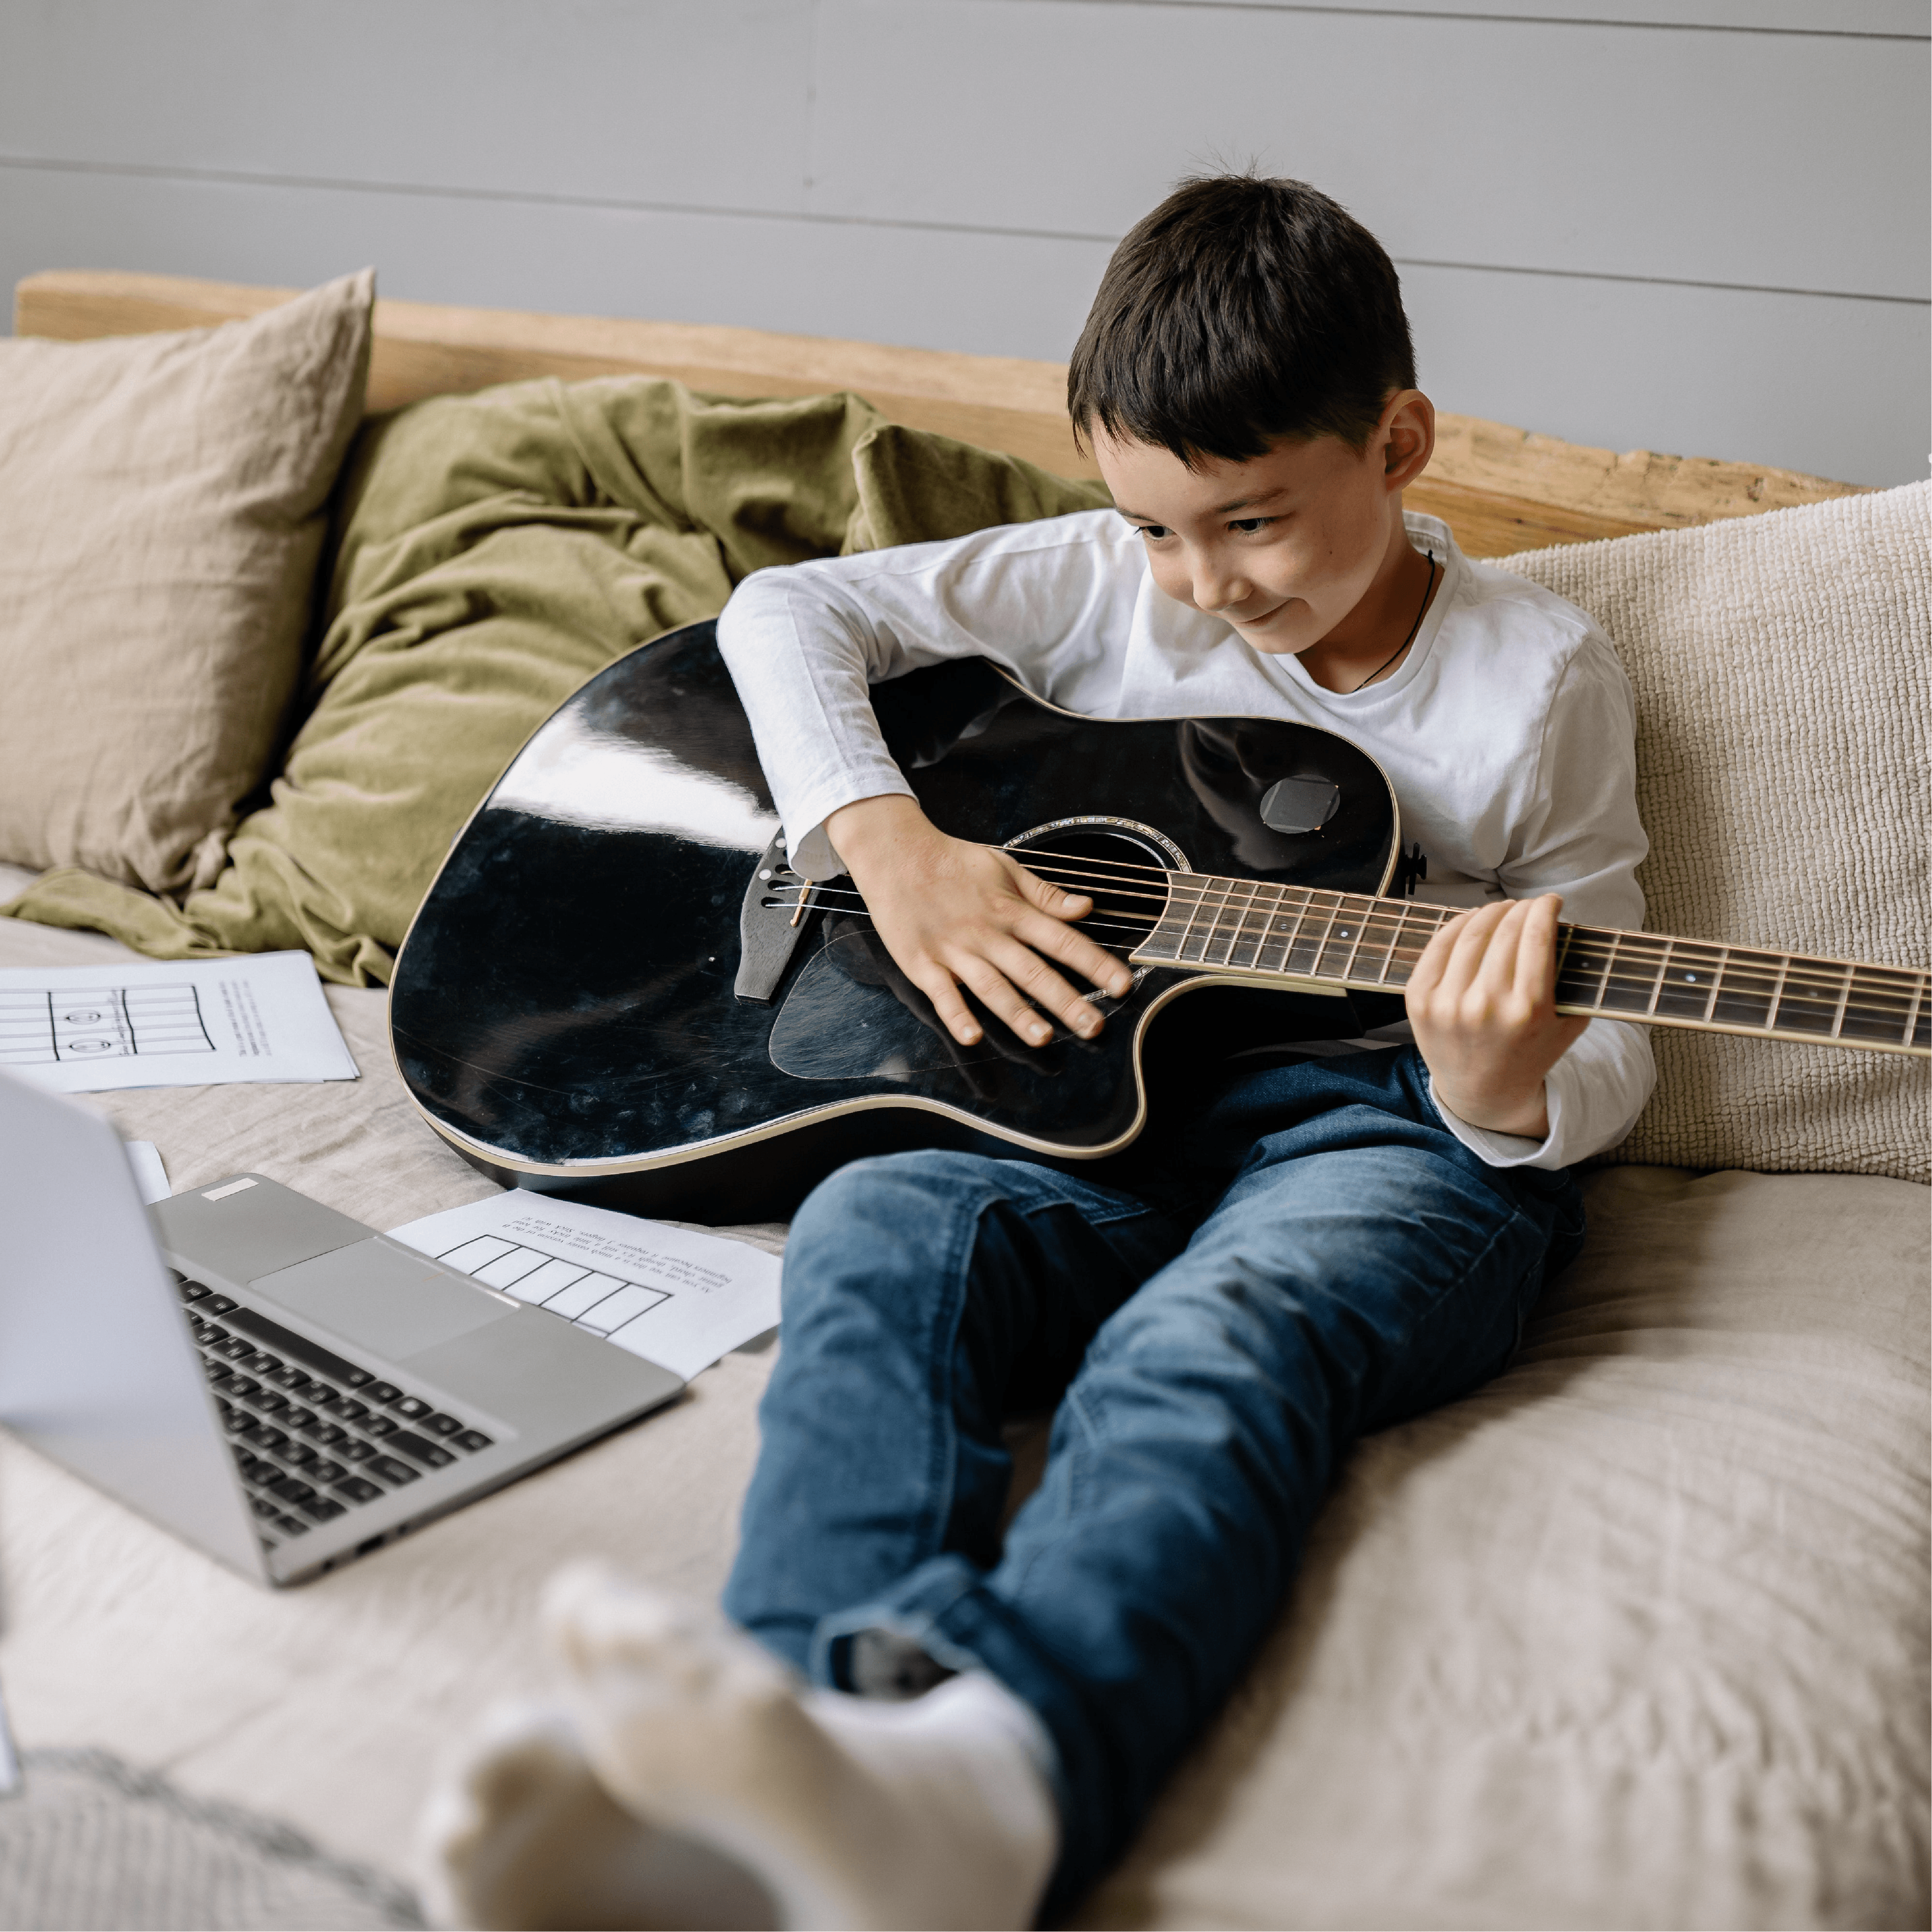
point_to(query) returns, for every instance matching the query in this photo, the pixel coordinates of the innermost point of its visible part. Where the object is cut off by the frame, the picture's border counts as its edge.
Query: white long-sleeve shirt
(1507, 732)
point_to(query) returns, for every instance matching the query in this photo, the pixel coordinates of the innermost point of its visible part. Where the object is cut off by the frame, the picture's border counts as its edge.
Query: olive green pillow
(493, 552)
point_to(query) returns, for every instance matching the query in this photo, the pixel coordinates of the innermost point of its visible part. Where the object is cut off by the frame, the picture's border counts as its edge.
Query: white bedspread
(1637, 1637)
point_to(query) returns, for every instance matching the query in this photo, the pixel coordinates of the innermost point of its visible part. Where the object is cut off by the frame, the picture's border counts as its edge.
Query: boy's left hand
(1483, 1002)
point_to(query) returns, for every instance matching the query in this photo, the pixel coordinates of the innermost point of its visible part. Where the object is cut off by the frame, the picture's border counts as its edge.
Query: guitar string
(1739, 963)
(1879, 1001)
(1645, 949)
(1867, 1000)
(1798, 971)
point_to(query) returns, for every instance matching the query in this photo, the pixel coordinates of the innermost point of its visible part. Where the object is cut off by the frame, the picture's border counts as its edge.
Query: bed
(1638, 1636)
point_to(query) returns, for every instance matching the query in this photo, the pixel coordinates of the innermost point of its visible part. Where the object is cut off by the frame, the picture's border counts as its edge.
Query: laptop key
(323, 1509)
(257, 1361)
(392, 1471)
(379, 1426)
(349, 1410)
(359, 1489)
(328, 1434)
(381, 1391)
(441, 1425)
(412, 1408)
(263, 1507)
(300, 1455)
(268, 1402)
(235, 1350)
(219, 1304)
(434, 1454)
(272, 1440)
(191, 1290)
(472, 1438)
(356, 1452)
(325, 1361)
(293, 1524)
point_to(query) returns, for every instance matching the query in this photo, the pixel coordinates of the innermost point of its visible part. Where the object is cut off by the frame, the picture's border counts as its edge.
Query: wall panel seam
(703, 211)
(1504, 19)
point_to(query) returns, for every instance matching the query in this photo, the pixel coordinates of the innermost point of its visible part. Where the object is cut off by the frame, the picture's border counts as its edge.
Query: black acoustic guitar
(616, 988)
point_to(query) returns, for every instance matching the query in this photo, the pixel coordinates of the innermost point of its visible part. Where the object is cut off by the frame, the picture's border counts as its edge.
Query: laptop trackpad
(393, 1302)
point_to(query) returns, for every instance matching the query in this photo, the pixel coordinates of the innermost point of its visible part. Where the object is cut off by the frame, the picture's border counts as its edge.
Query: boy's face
(1285, 546)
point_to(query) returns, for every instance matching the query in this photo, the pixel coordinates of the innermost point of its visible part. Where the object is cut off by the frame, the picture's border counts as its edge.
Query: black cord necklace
(1407, 641)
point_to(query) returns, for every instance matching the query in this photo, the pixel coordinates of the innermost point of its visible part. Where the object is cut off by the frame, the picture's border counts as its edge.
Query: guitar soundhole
(1119, 863)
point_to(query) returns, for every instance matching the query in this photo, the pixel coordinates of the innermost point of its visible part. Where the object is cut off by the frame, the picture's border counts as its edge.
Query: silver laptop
(279, 1385)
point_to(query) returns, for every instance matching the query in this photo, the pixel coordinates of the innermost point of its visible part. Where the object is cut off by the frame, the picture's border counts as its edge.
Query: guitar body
(570, 1009)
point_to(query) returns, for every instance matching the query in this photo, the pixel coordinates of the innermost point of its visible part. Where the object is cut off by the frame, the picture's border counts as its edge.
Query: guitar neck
(1294, 935)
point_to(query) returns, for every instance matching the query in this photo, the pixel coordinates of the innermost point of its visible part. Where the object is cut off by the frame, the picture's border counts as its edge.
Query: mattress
(1636, 1636)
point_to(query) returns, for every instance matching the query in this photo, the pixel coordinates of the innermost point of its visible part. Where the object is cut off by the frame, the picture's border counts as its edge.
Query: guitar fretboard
(1265, 931)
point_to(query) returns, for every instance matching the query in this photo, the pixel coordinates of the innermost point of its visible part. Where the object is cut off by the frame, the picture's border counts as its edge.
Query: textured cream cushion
(162, 507)
(1783, 668)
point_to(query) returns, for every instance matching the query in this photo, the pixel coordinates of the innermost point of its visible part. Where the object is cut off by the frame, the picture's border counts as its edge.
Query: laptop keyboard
(313, 1435)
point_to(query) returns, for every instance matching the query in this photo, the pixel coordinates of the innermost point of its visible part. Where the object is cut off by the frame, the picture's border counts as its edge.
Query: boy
(1339, 1236)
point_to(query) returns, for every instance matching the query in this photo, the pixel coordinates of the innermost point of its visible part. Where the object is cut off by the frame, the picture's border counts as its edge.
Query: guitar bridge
(769, 924)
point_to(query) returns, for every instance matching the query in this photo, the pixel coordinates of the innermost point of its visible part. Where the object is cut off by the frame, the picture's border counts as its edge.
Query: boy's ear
(1407, 435)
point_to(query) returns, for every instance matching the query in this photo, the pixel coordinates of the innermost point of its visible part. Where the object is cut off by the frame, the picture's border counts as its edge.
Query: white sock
(521, 1834)
(848, 1813)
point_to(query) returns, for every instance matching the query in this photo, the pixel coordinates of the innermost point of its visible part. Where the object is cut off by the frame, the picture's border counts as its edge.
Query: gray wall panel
(1599, 150)
(953, 173)
(657, 101)
(1004, 295)
(1761, 378)
(1790, 380)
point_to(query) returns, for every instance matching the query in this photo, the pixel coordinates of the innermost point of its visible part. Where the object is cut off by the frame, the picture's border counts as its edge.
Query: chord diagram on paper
(70, 1024)
(603, 1302)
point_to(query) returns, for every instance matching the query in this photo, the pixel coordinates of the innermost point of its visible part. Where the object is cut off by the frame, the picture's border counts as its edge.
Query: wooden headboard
(1500, 489)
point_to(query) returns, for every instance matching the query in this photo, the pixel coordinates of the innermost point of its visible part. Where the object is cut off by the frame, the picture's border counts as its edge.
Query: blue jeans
(1214, 1360)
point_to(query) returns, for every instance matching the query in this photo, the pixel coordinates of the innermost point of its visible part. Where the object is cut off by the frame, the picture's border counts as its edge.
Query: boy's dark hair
(1241, 311)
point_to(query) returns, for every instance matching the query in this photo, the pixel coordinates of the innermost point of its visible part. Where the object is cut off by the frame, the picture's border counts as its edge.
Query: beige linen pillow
(1783, 669)
(162, 509)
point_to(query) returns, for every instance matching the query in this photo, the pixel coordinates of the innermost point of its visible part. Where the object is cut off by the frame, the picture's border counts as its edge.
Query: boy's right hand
(956, 914)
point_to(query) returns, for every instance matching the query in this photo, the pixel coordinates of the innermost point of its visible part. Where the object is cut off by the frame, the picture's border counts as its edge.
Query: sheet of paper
(190, 1023)
(150, 1176)
(678, 1298)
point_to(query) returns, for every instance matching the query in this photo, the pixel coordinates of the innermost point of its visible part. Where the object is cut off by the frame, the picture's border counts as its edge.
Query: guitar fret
(1270, 940)
(1662, 971)
(1882, 1004)
(1633, 989)
(1186, 930)
(1716, 981)
(1804, 1010)
(1588, 993)
(1844, 999)
(1349, 934)
(1274, 896)
(1301, 951)
(1394, 944)
(1294, 914)
(1233, 937)
(1687, 983)
(1242, 937)
(1777, 993)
